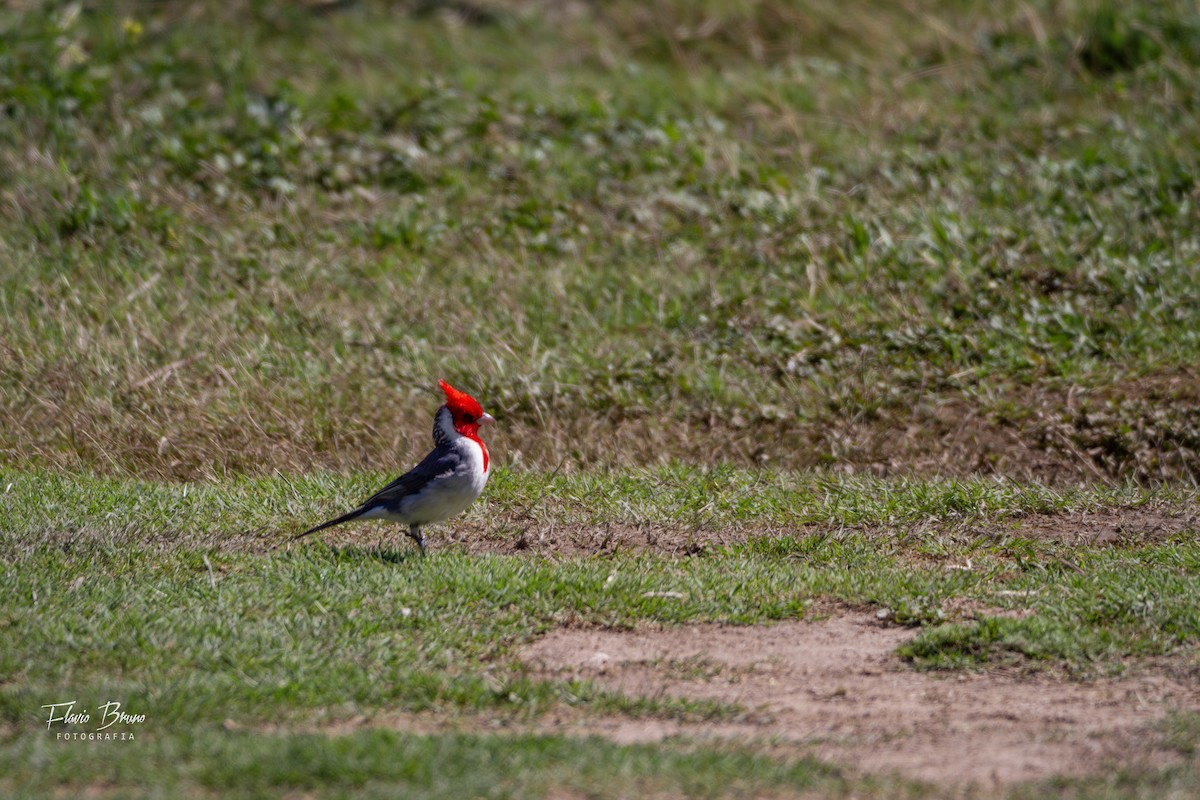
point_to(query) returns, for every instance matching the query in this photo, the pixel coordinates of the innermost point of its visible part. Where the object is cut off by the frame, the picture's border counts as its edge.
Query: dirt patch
(833, 688)
(960, 609)
(1142, 427)
(515, 535)
(1146, 427)
(1116, 527)
(1110, 527)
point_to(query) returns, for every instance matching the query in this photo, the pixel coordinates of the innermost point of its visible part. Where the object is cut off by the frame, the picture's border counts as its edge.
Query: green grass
(381, 763)
(835, 298)
(193, 629)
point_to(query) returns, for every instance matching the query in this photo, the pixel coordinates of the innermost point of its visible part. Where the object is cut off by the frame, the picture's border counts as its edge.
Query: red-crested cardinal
(444, 483)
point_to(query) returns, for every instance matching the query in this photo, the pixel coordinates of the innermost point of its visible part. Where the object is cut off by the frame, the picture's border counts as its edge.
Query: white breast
(448, 494)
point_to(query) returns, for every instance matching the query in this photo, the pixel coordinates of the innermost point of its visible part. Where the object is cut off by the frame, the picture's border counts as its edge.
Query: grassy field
(787, 309)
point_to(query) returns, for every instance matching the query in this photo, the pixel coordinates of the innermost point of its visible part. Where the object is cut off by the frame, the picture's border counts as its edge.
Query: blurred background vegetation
(920, 237)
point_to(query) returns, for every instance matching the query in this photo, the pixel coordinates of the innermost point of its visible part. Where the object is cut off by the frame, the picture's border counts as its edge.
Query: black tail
(355, 514)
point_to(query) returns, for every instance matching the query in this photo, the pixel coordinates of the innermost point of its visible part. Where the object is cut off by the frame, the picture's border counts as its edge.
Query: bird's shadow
(392, 555)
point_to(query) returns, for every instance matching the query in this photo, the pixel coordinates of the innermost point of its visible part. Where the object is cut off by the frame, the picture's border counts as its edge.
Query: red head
(465, 410)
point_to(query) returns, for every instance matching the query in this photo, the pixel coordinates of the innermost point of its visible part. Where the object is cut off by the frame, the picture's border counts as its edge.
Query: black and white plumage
(446, 481)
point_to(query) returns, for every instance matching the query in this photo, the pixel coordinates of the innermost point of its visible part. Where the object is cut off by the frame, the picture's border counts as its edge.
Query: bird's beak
(486, 419)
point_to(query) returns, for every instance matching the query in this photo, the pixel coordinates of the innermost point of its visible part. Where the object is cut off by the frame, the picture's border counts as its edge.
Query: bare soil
(513, 535)
(1108, 527)
(833, 688)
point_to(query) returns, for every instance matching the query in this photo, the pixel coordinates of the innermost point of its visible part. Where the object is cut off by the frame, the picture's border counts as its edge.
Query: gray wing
(439, 462)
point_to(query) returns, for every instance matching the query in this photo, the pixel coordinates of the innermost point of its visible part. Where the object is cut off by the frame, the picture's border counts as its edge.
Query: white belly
(441, 500)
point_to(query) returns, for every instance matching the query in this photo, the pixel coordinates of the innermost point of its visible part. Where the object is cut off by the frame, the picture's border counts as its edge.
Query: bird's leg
(414, 531)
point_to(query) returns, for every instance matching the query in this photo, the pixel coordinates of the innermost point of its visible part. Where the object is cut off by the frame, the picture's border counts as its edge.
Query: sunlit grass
(853, 299)
(797, 238)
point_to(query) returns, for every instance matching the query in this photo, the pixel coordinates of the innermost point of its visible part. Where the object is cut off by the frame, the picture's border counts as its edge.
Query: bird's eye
(468, 419)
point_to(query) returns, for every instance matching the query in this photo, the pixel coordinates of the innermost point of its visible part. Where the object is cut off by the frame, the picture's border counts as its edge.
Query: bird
(446, 481)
